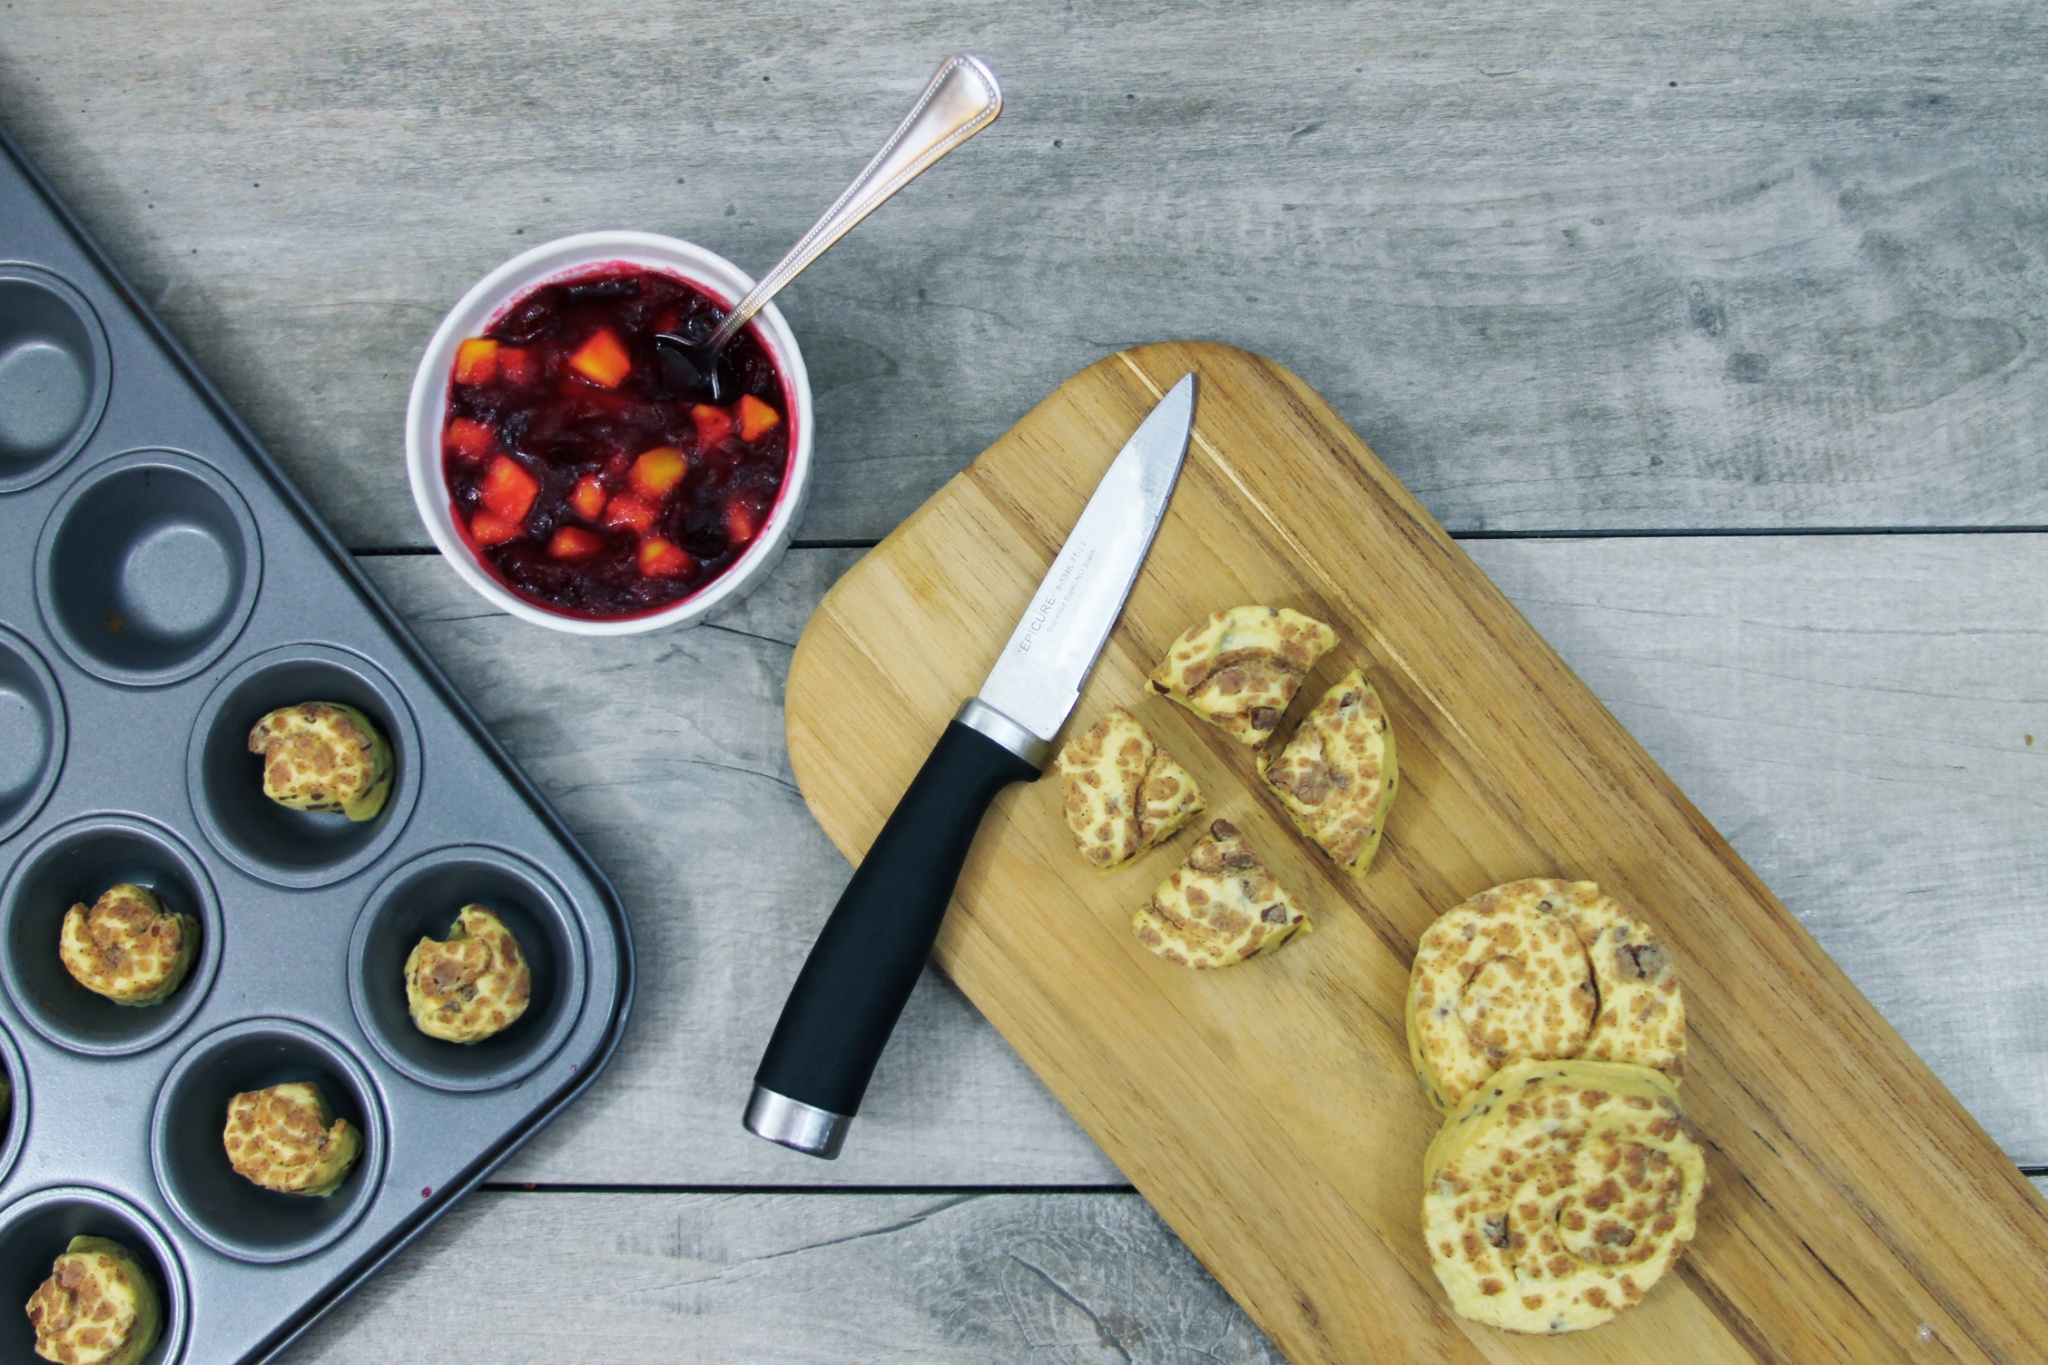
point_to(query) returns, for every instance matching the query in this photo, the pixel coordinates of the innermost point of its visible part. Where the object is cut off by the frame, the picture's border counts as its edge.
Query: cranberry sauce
(586, 487)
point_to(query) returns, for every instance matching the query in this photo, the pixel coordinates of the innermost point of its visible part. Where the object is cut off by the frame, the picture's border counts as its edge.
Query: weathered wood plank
(547, 1278)
(1567, 266)
(1770, 676)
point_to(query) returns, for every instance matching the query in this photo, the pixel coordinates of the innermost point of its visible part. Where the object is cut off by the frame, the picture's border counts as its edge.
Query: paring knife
(861, 970)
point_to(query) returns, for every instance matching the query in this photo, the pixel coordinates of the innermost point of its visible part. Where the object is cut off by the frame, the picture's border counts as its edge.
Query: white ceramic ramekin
(426, 415)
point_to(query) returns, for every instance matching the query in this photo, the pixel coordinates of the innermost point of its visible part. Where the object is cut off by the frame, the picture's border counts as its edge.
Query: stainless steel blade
(1038, 677)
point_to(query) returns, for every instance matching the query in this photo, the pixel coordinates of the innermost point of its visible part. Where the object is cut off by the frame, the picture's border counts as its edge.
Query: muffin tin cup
(55, 373)
(35, 1229)
(285, 847)
(32, 732)
(228, 1212)
(421, 900)
(148, 568)
(74, 864)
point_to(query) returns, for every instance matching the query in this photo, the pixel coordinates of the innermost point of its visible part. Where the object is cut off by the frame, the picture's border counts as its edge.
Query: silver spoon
(962, 99)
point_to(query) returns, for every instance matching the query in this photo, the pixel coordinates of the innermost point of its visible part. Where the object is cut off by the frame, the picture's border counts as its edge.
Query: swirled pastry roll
(1558, 1195)
(1123, 792)
(1239, 669)
(1336, 776)
(471, 987)
(1220, 907)
(1496, 979)
(1642, 1009)
(126, 947)
(323, 756)
(98, 1307)
(287, 1138)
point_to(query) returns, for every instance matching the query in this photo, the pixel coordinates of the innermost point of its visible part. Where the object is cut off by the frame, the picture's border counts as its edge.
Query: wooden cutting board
(1855, 1211)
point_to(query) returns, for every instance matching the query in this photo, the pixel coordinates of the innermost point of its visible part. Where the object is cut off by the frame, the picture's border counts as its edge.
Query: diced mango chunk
(713, 425)
(476, 361)
(757, 419)
(487, 528)
(630, 513)
(661, 558)
(602, 359)
(588, 497)
(741, 522)
(508, 489)
(470, 441)
(571, 543)
(656, 473)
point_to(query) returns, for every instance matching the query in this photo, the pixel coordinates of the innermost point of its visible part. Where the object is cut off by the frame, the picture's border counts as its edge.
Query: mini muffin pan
(167, 588)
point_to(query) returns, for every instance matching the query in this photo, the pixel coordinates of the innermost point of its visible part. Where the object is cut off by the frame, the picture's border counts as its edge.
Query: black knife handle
(866, 960)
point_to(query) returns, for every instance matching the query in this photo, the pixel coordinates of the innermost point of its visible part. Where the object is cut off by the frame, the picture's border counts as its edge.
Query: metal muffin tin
(163, 587)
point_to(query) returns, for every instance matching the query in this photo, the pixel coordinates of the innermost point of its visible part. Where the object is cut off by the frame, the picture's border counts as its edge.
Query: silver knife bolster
(979, 716)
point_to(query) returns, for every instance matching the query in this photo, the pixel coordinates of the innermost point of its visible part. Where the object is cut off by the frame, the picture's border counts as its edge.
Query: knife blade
(867, 958)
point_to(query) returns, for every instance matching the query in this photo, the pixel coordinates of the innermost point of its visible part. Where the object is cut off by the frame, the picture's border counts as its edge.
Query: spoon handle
(962, 99)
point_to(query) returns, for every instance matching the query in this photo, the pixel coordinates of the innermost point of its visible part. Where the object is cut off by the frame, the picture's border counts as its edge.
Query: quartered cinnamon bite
(1239, 670)
(474, 985)
(126, 947)
(287, 1138)
(323, 756)
(97, 1308)
(1220, 908)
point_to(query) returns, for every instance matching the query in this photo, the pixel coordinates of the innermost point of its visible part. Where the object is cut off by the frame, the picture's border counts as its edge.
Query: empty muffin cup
(31, 732)
(148, 568)
(421, 900)
(36, 1229)
(280, 845)
(73, 865)
(54, 375)
(14, 1117)
(224, 1209)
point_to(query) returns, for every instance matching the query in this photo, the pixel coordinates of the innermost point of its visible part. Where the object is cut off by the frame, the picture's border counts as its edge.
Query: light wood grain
(541, 1279)
(1768, 676)
(1803, 285)
(1857, 1202)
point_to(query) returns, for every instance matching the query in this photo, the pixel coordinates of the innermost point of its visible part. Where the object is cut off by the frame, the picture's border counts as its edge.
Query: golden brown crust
(287, 1138)
(1240, 669)
(98, 1307)
(471, 987)
(1123, 792)
(1560, 1193)
(1220, 907)
(1337, 775)
(323, 756)
(126, 947)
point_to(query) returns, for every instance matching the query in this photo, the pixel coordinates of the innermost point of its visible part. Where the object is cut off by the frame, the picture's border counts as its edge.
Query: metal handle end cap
(791, 1123)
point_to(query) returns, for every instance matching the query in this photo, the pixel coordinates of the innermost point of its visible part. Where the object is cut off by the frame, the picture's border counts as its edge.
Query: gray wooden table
(1715, 328)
